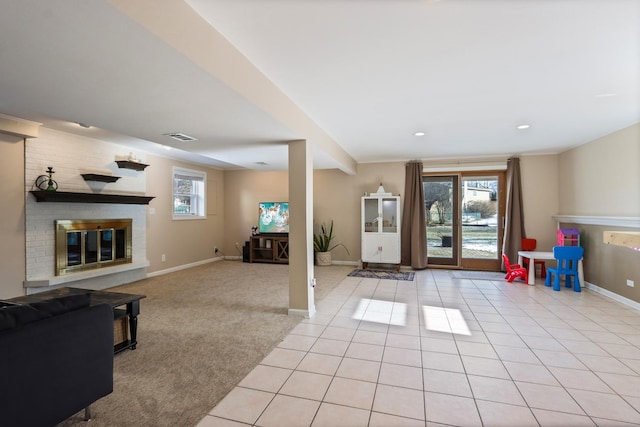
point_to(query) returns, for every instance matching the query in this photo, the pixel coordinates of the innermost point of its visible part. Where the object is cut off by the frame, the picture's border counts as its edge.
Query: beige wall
(12, 217)
(182, 242)
(336, 197)
(602, 177)
(540, 189)
(243, 191)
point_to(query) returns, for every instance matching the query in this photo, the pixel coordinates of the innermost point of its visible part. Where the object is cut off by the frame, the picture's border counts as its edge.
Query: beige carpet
(200, 332)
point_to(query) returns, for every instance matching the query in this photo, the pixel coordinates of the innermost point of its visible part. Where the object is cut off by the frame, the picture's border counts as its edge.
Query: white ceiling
(368, 73)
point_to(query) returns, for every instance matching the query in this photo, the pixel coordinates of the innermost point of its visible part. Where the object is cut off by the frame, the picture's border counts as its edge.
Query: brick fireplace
(71, 156)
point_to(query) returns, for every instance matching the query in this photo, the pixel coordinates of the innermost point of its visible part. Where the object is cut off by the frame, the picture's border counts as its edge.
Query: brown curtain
(414, 234)
(514, 215)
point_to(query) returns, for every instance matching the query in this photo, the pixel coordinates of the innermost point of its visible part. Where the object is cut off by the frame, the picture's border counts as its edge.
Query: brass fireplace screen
(92, 243)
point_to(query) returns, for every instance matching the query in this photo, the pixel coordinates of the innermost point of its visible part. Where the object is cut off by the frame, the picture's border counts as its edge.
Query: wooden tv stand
(271, 248)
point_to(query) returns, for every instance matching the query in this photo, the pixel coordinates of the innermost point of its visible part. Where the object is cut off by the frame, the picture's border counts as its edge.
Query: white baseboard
(307, 314)
(353, 263)
(183, 267)
(619, 298)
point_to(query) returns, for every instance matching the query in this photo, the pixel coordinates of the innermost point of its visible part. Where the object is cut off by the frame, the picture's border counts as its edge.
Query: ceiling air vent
(179, 136)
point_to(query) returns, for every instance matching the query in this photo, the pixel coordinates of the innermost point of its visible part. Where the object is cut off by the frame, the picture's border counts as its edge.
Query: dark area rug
(383, 274)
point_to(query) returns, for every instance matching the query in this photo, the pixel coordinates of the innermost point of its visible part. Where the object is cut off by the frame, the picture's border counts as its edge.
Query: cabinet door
(370, 247)
(281, 249)
(390, 245)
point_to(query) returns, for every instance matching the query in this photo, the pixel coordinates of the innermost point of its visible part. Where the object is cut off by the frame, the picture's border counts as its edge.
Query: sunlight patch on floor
(377, 311)
(442, 319)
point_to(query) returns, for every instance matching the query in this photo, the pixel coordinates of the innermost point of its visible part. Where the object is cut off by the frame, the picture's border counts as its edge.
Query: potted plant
(322, 245)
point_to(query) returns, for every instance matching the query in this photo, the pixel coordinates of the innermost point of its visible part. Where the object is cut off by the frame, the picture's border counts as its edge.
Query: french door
(465, 219)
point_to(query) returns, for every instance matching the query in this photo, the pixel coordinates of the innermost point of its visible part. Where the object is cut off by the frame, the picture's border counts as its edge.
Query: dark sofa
(56, 358)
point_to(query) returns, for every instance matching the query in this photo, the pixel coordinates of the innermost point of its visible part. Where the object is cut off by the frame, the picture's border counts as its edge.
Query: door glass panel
(106, 245)
(121, 243)
(371, 215)
(74, 248)
(389, 221)
(479, 217)
(90, 247)
(439, 197)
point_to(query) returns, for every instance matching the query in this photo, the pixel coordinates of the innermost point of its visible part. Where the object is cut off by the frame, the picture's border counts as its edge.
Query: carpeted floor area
(383, 274)
(200, 332)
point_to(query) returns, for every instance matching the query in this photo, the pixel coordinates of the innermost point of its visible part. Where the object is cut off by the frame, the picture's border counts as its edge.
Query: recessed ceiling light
(419, 134)
(523, 127)
(262, 163)
(84, 125)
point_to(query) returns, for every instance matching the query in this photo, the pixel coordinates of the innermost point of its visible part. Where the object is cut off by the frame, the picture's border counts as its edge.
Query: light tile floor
(443, 351)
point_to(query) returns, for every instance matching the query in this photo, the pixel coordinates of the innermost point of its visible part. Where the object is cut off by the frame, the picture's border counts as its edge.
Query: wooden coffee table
(131, 302)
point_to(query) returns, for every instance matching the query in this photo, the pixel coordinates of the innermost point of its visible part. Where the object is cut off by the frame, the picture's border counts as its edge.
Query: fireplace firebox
(92, 243)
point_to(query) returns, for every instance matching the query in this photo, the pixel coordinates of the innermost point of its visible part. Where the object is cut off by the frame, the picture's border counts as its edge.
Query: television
(273, 218)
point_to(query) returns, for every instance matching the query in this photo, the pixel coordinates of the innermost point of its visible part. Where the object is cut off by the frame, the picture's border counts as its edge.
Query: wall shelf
(629, 239)
(127, 164)
(99, 178)
(69, 197)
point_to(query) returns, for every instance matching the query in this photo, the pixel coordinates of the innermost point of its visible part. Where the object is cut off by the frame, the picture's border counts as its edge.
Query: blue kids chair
(568, 257)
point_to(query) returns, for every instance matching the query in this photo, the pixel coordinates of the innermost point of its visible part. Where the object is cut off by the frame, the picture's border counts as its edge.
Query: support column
(301, 293)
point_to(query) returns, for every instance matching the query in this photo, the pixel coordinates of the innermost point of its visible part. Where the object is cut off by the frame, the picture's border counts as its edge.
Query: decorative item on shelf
(46, 182)
(133, 157)
(380, 192)
(254, 231)
(322, 245)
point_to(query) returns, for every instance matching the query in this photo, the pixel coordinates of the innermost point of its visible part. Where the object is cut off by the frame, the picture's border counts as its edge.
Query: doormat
(383, 274)
(477, 275)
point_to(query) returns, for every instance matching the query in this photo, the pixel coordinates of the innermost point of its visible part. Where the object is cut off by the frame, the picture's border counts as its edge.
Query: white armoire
(380, 228)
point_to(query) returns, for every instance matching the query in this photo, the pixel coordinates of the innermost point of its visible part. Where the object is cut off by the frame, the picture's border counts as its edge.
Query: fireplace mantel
(69, 197)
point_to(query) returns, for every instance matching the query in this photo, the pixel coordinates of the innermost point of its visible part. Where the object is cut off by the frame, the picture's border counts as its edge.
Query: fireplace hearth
(92, 243)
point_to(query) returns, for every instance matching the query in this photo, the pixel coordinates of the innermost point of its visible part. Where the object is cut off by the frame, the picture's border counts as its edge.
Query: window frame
(199, 195)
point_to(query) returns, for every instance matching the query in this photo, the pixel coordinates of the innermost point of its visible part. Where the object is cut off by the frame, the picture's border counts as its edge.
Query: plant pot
(323, 258)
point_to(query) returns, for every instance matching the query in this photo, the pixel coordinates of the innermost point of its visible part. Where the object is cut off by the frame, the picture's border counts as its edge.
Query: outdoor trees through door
(464, 215)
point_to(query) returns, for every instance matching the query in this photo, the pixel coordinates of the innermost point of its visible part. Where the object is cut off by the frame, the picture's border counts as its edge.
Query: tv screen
(274, 217)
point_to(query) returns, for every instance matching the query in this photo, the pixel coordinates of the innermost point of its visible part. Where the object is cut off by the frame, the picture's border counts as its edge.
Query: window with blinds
(188, 193)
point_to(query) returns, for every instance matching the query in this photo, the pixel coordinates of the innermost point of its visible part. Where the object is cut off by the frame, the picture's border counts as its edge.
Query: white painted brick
(70, 156)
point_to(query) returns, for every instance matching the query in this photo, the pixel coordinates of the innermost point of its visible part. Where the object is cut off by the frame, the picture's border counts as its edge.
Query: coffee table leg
(133, 308)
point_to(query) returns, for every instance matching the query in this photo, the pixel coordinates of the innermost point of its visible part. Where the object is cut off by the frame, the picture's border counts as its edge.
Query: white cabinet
(380, 228)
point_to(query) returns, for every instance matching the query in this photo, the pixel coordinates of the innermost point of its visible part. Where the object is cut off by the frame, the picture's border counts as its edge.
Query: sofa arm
(53, 368)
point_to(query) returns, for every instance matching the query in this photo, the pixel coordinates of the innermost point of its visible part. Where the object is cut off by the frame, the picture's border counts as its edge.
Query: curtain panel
(413, 234)
(514, 216)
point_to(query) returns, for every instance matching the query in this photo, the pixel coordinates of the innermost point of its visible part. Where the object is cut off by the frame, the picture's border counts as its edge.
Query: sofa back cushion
(60, 305)
(12, 316)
